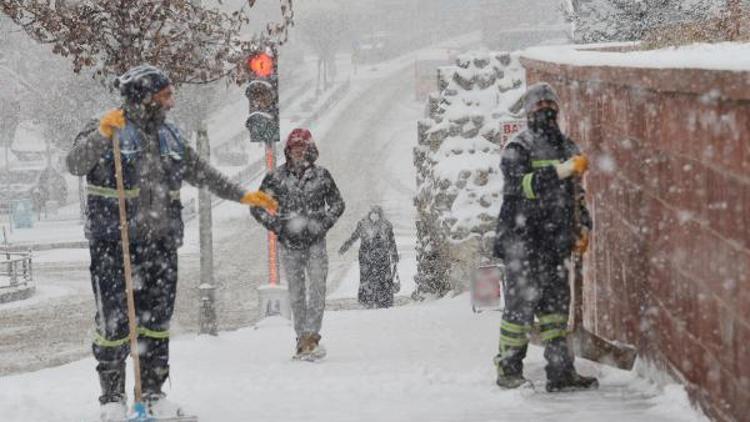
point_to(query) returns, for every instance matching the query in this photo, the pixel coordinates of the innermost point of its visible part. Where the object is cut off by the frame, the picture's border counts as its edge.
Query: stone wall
(670, 195)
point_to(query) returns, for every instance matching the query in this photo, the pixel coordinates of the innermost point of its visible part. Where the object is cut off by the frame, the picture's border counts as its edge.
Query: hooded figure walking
(309, 205)
(378, 257)
(156, 159)
(542, 220)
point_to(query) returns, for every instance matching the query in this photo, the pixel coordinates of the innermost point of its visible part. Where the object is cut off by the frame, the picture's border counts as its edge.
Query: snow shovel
(583, 342)
(139, 407)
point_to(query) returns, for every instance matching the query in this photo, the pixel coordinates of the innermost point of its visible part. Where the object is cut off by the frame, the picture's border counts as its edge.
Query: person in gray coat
(309, 205)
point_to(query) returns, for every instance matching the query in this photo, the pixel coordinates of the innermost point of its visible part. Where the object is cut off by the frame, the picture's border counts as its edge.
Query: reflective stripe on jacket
(538, 210)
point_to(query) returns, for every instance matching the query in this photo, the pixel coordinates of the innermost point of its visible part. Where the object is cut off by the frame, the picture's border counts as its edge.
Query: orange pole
(273, 275)
(273, 272)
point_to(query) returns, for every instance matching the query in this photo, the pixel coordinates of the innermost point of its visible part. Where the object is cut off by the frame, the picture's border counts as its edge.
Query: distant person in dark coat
(378, 257)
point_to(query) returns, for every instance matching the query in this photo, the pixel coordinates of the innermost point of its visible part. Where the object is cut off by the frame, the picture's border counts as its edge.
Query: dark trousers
(154, 266)
(375, 283)
(536, 283)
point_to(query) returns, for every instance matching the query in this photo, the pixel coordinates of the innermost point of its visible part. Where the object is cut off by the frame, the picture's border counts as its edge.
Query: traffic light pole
(263, 125)
(273, 247)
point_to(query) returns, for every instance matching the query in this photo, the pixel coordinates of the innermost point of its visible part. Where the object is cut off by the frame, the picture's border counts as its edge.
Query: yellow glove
(580, 164)
(260, 199)
(114, 119)
(582, 243)
(575, 166)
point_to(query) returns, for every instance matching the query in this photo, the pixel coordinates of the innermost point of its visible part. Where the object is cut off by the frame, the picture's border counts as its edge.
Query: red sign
(486, 288)
(261, 65)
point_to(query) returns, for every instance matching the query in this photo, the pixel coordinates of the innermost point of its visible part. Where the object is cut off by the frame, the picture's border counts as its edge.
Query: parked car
(16, 185)
(39, 185)
(373, 48)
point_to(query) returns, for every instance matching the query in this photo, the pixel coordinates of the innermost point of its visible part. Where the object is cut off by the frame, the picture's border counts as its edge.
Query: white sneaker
(159, 406)
(115, 411)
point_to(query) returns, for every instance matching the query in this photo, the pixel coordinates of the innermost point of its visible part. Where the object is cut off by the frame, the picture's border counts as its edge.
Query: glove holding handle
(575, 166)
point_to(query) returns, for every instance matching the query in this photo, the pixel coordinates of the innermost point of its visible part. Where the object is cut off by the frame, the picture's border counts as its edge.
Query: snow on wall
(718, 56)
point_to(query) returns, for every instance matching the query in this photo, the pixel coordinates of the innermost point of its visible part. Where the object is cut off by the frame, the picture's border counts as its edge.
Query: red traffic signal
(260, 65)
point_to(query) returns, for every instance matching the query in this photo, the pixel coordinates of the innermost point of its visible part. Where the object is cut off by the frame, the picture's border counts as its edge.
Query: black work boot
(112, 381)
(510, 381)
(152, 378)
(571, 381)
(154, 398)
(114, 403)
(509, 373)
(561, 374)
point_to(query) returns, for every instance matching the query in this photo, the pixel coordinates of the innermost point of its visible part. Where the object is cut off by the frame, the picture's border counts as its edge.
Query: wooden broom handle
(128, 270)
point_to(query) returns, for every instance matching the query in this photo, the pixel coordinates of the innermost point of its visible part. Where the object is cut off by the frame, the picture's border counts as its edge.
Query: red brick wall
(669, 189)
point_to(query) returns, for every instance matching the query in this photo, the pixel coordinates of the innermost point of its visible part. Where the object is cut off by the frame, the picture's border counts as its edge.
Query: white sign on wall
(510, 128)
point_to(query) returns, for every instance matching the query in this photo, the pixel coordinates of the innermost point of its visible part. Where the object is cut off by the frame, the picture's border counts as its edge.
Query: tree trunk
(735, 16)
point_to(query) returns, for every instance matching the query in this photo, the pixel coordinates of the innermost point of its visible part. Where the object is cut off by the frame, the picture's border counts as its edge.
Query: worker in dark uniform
(156, 159)
(542, 219)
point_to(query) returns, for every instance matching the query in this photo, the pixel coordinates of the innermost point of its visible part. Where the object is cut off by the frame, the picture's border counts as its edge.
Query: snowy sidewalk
(416, 363)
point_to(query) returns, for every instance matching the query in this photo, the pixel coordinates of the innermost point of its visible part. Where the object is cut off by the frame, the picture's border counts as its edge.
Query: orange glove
(580, 164)
(260, 199)
(575, 166)
(114, 119)
(582, 243)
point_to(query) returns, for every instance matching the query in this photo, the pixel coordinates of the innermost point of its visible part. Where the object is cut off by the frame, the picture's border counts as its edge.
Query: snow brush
(139, 407)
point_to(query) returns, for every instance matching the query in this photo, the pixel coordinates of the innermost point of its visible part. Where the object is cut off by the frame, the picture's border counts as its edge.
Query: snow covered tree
(628, 20)
(192, 43)
(458, 177)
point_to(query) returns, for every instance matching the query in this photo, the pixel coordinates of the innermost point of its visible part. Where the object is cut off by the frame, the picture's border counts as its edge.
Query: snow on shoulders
(720, 56)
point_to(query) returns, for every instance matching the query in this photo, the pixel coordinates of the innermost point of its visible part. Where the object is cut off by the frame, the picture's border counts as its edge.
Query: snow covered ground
(427, 362)
(418, 362)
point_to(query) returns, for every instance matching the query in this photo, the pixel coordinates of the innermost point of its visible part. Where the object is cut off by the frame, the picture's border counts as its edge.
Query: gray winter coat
(309, 205)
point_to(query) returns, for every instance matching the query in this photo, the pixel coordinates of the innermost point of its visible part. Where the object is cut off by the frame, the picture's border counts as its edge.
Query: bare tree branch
(192, 43)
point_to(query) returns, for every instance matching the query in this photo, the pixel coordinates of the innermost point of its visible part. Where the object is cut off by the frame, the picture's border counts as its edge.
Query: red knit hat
(301, 137)
(298, 137)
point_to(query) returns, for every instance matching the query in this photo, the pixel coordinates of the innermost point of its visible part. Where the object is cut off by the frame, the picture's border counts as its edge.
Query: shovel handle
(576, 260)
(128, 270)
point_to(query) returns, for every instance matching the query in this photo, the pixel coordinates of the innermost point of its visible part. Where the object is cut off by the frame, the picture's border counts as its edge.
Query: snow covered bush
(459, 183)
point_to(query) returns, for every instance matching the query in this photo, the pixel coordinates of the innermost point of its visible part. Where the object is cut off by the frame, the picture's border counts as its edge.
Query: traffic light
(262, 93)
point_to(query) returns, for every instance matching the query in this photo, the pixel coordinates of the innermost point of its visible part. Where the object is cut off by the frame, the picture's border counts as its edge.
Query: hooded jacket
(378, 243)
(540, 212)
(309, 202)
